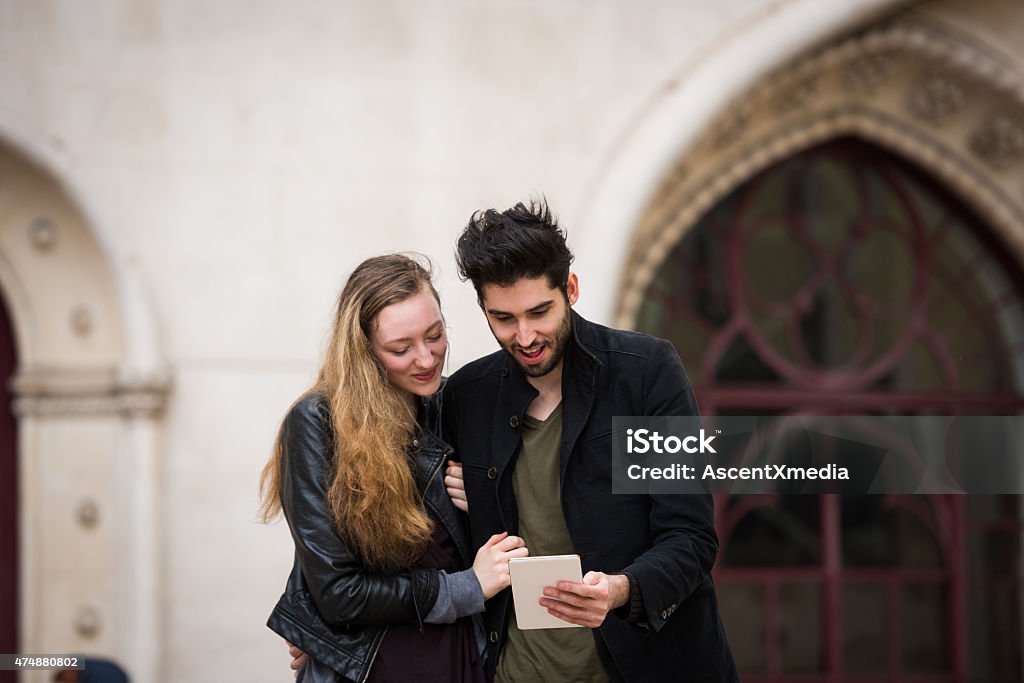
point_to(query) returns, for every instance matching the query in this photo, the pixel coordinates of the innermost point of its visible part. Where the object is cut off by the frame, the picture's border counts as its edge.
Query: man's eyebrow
(543, 304)
(406, 339)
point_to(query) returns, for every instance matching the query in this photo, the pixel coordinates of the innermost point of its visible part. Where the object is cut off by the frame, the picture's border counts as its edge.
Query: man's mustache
(527, 349)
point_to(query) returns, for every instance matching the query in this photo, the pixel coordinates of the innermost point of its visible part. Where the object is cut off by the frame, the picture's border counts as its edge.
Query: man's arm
(453, 481)
(682, 527)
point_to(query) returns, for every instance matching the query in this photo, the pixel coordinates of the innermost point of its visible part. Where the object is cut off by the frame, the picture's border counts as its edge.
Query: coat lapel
(514, 394)
(579, 379)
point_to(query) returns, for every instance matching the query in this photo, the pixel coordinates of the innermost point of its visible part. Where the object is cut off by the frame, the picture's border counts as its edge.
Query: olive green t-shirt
(559, 654)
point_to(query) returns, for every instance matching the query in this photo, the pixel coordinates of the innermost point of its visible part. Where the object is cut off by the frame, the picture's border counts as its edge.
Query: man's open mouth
(532, 354)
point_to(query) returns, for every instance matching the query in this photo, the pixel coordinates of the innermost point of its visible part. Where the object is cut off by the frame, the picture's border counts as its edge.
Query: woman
(376, 592)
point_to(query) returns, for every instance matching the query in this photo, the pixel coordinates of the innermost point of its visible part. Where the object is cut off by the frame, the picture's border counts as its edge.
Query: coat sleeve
(342, 589)
(682, 527)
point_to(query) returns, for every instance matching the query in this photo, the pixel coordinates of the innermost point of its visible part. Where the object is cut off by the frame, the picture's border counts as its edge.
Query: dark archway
(844, 280)
(9, 557)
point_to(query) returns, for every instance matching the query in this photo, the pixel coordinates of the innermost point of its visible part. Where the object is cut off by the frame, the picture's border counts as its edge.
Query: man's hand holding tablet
(587, 603)
(549, 592)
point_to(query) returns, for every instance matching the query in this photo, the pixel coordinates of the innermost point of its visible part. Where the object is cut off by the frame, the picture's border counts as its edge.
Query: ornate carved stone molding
(936, 99)
(1000, 140)
(75, 392)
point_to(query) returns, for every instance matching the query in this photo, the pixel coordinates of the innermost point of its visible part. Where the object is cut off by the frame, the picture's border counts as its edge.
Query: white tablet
(530, 575)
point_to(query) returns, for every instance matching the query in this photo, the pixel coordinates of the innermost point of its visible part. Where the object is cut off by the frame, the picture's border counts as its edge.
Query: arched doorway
(87, 392)
(8, 498)
(843, 280)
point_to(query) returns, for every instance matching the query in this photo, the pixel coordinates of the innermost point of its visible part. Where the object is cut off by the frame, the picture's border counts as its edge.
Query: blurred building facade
(821, 206)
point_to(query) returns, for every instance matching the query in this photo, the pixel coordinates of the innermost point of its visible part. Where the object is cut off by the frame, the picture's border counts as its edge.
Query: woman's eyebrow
(406, 339)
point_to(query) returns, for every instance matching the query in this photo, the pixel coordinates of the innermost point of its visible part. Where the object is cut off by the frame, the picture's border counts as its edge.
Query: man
(532, 424)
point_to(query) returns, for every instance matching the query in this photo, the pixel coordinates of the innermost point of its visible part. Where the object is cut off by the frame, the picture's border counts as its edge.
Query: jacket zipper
(465, 553)
(433, 474)
(373, 657)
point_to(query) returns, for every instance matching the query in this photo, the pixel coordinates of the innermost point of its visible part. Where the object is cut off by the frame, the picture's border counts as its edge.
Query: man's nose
(525, 335)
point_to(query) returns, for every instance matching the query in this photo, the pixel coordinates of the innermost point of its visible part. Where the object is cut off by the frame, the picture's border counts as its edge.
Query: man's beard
(556, 349)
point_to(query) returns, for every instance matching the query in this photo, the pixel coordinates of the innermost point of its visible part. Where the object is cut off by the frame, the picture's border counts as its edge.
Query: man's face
(530, 319)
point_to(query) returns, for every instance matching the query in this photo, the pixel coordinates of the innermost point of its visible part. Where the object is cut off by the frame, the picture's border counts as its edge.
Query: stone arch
(60, 290)
(937, 100)
(88, 392)
(648, 152)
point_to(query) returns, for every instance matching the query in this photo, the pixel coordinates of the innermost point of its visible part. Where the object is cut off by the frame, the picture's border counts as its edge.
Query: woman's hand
(491, 563)
(456, 486)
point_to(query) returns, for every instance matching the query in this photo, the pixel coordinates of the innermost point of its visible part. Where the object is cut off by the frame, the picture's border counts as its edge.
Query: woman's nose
(423, 357)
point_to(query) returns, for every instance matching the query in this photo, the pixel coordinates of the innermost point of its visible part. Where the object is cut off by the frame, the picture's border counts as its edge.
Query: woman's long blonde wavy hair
(372, 496)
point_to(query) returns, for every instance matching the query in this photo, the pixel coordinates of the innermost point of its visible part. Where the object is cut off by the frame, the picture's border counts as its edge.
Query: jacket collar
(579, 378)
(427, 448)
(428, 411)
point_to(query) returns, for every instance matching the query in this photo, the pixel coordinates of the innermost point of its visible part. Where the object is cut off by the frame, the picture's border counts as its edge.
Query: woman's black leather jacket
(332, 607)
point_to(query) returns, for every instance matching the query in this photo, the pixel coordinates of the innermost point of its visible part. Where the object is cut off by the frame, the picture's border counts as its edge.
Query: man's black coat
(667, 542)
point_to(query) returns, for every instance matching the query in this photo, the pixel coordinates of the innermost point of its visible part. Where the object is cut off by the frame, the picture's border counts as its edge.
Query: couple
(380, 590)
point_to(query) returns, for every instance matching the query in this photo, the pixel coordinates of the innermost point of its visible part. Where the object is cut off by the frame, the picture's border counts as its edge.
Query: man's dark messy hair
(502, 247)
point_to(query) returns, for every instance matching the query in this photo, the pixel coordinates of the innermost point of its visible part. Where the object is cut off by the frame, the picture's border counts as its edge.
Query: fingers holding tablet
(586, 603)
(492, 560)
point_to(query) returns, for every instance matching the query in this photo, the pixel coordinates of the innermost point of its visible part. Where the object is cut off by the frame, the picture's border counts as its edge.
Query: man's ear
(572, 288)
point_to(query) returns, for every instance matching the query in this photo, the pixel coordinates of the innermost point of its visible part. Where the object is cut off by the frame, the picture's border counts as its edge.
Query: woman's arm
(463, 593)
(340, 586)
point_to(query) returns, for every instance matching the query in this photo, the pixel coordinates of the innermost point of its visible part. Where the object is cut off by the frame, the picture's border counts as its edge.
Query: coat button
(492, 473)
(494, 636)
(664, 614)
(415, 443)
(513, 422)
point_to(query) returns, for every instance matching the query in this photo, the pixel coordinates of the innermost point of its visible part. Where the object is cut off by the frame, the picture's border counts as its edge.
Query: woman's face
(409, 340)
